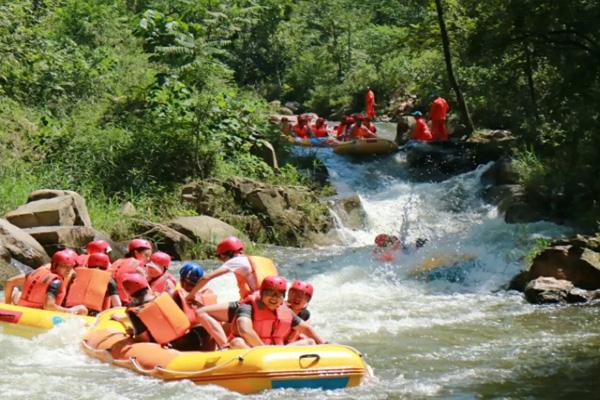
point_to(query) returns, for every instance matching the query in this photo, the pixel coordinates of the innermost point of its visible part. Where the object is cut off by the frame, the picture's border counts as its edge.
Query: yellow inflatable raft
(366, 146)
(244, 371)
(28, 322)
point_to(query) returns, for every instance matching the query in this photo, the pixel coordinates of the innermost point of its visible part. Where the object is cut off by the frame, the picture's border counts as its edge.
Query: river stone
(54, 238)
(266, 152)
(576, 264)
(67, 210)
(545, 290)
(502, 172)
(81, 211)
(21, 245)
(203, 228)
(350, 211)
(164, 238)
(502, 195)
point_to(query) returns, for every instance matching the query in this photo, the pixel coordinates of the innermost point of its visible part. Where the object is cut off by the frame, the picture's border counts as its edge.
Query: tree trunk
(446, 43)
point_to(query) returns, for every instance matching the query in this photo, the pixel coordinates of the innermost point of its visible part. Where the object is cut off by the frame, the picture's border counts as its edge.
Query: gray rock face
(49, 208)
(350, 211)
(166, 239)
(21, 246)
(54, 238)
(203, 228)
(546, 290)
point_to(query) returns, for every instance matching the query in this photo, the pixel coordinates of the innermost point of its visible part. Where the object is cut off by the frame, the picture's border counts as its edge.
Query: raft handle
(312, 355)
(141, 369)
(239, 358)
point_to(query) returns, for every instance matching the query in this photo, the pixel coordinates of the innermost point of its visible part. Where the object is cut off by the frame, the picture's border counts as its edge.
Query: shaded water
(451, 332)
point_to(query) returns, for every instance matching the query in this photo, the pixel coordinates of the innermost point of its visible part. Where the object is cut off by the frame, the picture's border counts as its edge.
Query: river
(452, 332)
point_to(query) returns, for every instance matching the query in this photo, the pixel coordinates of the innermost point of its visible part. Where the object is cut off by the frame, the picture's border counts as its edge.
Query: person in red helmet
(46, 288)
(94, 286)
(370, 103)
(138, 254)
(386, 247)
(319, 129)
(265, 319)
(369, 125)
(93, 247)
(156, 270)
(421, 131)
(285, 126)
(437, 116)
(358, 131)
(299, 295)
(301, 129)
(248, 274)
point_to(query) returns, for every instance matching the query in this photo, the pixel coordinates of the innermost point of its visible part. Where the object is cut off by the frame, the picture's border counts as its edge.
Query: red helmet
(98, 246)
(64, 257)
(133, 283)
(136, 244)
(98, 260)
(320, 121)
(382, 239)
(161, 259)
(304, 287)
(277, 283)
(230, 244)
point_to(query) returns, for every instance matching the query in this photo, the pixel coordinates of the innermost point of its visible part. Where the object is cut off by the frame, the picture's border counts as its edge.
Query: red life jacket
(360, 132)
(271, 327)
(35, 289)
(205, 297)
(90, 289)
(301, 131)
(164, 319)
(439, 109)
(370, 126)
(320, 131)
(119, 269)
(261, 268)
(421, 131)
(159, 285)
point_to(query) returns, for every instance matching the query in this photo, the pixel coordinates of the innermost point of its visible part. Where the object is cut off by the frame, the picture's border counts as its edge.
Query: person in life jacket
(421, 131)
(198, 338)
(264, 319)
(93, 247)
(369, 125)
(299, 295)
(370, 103)
(285, 126)
(138, 254)
(46, 288)
(319, 129)
(386, 247)
(358, 131)
(156, 270)
(301, 129)
(437, 115)
(340, 129)
(94, 286)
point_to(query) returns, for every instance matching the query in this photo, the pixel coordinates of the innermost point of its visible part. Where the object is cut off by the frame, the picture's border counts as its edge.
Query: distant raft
(246, 371)
(366, 147)
(314, 142)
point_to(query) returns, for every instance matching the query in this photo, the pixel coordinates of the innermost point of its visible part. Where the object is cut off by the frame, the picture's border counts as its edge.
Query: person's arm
(51, 305)
(247, 332)
(305, 329)
(205, 279)
(9, 287)
(115, 301)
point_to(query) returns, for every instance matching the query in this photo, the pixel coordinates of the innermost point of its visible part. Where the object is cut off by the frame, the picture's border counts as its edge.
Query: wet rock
(293, 106)
(7, 270)
(546, 290)
(502, 195)
(579, 265)
(165, 239)
(518, 211)
(80, 209)
(491, 145)
(404, 128)
(502, 172)
(21, 246)
(350, 211)
(265, 151)
(203, 228)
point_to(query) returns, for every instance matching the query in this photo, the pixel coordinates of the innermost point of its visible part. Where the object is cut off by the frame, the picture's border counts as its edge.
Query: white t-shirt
(241, 266)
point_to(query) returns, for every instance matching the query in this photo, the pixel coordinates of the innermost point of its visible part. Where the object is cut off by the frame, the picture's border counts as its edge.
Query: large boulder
(203, 228)
(545, 290)
(49, 208)
(164, 238)
(265, 151)
(404, 127)
(21, 245)
(350, 211)
(54, 238)
(502, 172)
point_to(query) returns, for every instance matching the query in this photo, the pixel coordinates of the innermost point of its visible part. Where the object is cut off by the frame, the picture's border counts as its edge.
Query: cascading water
(434, 323)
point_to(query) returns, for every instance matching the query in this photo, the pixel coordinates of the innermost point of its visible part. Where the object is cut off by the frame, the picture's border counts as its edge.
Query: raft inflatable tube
(313, 142)
(28, 322)
(244, 371)
(366, 147)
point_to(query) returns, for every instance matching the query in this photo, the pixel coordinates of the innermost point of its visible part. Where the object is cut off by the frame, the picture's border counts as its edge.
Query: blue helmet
(417, 114)
(191, 272)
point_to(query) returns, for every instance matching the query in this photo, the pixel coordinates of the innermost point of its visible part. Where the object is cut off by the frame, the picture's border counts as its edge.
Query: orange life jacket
(320, 131)
(89, 288)
(164, 319)
(35, 289)
(205, 297)
(360, 132)
(301, 131)
(273, 327)
(421, 131)
(119, 269)
(261, 268)
(439, 109)
(159, 285)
